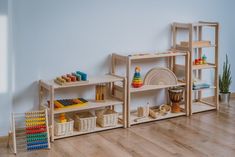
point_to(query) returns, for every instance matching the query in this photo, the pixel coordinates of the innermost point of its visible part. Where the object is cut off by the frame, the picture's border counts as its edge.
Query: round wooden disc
(160, 76)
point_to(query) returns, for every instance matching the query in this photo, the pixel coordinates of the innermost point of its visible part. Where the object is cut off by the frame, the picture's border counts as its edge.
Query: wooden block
(73, 78)
(83, 75)
(78, 76)
(66, 78)
(143, 111)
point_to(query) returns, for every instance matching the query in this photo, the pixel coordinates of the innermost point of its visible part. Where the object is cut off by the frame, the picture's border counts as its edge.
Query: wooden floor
(204, 134)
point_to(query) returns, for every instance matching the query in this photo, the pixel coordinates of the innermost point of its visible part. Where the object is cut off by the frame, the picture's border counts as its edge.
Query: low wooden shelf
(48, 89)
(143, 57)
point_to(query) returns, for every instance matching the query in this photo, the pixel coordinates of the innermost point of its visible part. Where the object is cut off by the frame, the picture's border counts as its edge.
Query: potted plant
(225, 81)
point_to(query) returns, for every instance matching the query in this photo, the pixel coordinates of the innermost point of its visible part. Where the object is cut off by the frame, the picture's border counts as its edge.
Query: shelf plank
(90, 105)
(133, 116)
(203, 23)
(91, 81)
(154, 87)
(196, 24)
(156, 55)
(98, 128)
(204, 66)
(196, 67)
(212, 45)
(201, 107)
(187, 48)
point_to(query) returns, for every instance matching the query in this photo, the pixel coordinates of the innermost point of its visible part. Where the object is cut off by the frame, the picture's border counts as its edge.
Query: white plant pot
(224, 98)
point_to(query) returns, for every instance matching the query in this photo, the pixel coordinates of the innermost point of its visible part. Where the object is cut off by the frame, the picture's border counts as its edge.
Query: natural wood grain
(207, 134)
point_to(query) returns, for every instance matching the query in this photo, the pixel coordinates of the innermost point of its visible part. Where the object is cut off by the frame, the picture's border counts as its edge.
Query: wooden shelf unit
(50, 88)
(195, 32)
(129, 59)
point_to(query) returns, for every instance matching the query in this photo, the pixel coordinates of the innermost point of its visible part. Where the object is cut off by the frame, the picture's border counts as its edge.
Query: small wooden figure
(137, 80)
(143, 111)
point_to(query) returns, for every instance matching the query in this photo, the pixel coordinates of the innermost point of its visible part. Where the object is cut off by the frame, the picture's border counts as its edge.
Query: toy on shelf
(30, 131)
(143, 111)
(160, 76)
(161, 110)
(137, 80)
(204, 58)
(100, 92)
(62, 118)
(164, 109)
(154, 113)
(200, 61)
(176, 95)
(77, 77)
(69, 103)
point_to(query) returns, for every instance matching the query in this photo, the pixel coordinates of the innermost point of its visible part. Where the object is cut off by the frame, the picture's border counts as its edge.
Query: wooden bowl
(165, 108)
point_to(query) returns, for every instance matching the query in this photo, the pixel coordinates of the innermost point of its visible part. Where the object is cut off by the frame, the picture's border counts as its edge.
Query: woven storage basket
(107, 117)
(65, 128)
(85, 121)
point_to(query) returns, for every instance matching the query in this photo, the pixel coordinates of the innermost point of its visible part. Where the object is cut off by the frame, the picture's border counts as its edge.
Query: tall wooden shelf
(195, 33)
(48, 89)
(128, 60)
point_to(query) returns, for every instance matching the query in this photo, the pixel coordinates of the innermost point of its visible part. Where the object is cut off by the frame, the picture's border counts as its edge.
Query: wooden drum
(176, 95)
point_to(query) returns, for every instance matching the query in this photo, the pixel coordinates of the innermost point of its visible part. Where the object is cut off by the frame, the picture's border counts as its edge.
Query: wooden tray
(70, 83)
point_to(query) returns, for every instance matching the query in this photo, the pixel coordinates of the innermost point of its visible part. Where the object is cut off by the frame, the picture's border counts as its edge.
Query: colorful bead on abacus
(36, 130)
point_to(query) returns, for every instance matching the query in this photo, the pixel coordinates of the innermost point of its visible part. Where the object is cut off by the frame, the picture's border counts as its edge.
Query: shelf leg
(200, 55)
(216, 91)
(52, 112)
(128, 71)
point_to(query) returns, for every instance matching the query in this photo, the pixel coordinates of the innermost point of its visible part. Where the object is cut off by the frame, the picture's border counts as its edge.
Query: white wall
(5, 65)
(59, 36)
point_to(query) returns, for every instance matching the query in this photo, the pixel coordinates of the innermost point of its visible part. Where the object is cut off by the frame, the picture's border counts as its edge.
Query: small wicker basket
(65, 128)
(107, 117)
(85, 121)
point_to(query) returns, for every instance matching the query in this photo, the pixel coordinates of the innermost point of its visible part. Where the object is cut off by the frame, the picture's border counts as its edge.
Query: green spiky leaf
(225, 79)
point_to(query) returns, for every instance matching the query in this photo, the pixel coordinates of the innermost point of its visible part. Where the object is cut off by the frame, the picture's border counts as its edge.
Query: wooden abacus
(31, 132)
